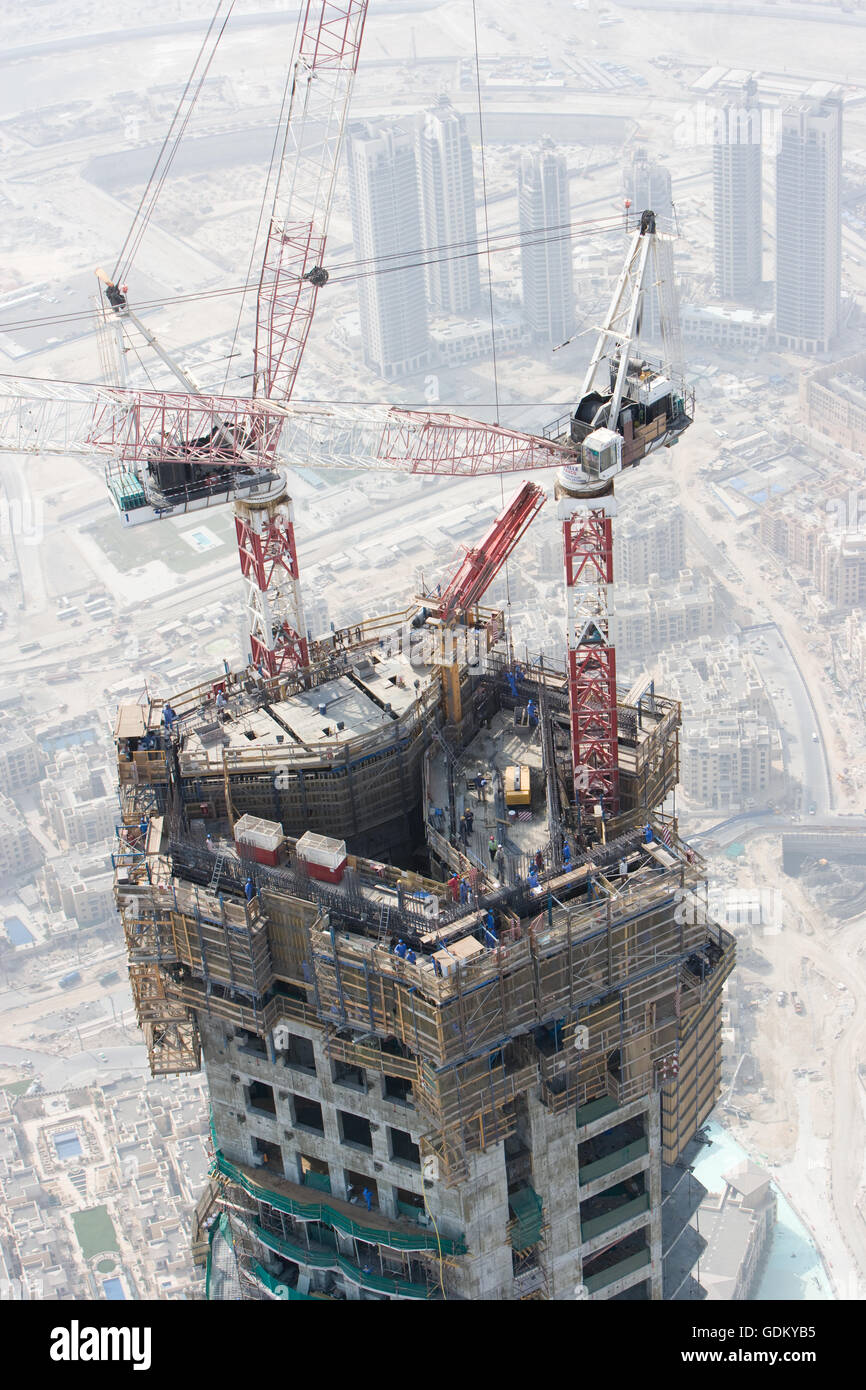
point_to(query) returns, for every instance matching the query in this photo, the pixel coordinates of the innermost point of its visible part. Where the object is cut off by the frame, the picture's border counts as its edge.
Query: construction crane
(615, 427)
(171, 452)
(233, 443)
(452, 606)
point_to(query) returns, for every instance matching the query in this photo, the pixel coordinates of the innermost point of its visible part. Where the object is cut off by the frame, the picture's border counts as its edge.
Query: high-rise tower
(386, 226)
(545, 255)
(737, 195)
(447, 188)
(648, 184)
(809, 221)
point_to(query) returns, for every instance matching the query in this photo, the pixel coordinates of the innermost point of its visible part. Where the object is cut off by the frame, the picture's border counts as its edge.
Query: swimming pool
(113, 1290)
(17, 932)
(52, 742)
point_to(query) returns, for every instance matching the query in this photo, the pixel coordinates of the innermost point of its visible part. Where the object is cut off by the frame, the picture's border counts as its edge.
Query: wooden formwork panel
(335, 795)
(173, 1048)
(688, 1100)
(289, 920)
(223, 951)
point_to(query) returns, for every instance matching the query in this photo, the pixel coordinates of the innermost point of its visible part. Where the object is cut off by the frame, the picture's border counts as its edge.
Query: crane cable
(476, 248)
(168, 150)
(489, 276)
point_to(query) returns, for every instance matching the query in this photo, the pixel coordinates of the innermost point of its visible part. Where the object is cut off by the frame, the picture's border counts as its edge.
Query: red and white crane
(175, 451)
(483, 562)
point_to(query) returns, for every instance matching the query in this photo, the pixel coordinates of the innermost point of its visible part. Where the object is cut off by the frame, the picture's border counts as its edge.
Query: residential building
(447, 186)
(737, 196)
(386, 227)
(545, 245)
(809, 221)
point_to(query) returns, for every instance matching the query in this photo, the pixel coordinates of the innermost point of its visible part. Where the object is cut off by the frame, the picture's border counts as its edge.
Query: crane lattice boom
(483, 562)
(293, 268)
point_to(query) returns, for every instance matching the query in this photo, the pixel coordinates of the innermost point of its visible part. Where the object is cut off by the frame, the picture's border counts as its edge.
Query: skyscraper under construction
(455, 1036)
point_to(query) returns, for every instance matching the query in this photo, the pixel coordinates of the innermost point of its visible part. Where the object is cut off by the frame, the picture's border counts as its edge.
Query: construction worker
(400, 949)
(539, 861)
(222, 701)
(533, 877)
(249, 890)
(454, 886)
(566, 855)
(411, 956)
(469, 817)
(143, 825)
(168, 716)
(531, 712)
(464, 891)
(648, 833)
(493, 847)
(464, 833)
(368, 1198)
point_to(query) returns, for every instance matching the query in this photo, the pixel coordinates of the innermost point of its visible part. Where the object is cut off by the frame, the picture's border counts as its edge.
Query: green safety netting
(320, 1181)
(221, 1228)
(526, 1208)
(383, 1283)
(331, 1216)
(276, 1286)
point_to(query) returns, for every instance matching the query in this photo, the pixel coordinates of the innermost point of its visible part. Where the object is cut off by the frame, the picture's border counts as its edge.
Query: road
(82, 1069)
(810, 708)
(795, 712)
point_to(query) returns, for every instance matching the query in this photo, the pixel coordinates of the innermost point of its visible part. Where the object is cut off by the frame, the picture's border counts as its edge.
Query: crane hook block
(317, 277)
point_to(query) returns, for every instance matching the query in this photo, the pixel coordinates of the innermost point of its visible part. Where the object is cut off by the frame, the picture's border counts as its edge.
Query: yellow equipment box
(517, 786)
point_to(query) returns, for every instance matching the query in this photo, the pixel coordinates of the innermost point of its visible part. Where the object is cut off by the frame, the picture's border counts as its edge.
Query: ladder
(217, 869)
(440, 738)
(384, 919)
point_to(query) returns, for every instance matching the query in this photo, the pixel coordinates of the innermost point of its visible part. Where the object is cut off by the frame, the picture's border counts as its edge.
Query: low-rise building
(78, 800)
(648, 619)
(718, 325)
(20, 851)
(458, 341)
(731, 750)
(738, 1227)
(20, 762)
(833, 401)
(650, 539)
